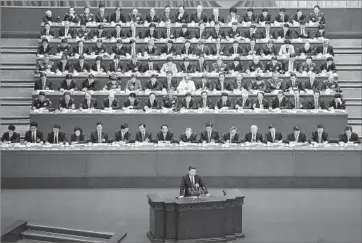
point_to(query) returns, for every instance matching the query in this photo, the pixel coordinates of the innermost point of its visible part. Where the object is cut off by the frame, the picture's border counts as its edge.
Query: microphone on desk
(58, 19)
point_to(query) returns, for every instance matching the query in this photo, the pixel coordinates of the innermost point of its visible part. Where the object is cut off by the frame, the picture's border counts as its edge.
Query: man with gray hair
(199, 16)
(254, 136)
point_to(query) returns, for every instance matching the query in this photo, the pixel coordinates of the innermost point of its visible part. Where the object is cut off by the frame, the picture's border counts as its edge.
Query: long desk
(55, 96)
(334, 122)
(102, 78)
(159, 60)
(159, 167)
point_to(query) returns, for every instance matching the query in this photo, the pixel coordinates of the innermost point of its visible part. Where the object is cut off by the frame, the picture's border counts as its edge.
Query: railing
(187, 3)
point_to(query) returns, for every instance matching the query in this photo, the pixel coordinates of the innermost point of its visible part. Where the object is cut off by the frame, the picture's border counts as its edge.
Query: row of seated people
(188, 102)
(187, 85)
(234, 48)
(181, 16)
(187, 66)
(209, 135)
(168, 32)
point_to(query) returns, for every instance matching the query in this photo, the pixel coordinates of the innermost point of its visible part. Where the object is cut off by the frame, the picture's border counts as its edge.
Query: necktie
(324, 50)
(66, 104)
(66, 32)
(150, 67)
(319, 138)
(133, 50)
(282, 18)
(316, 104)
(273, 137)
(209, 137)
(222, 86)
(98, 67)
(216, 17)
(267, 33)
(122, 136)
(55, 138)
(164, 137)
(44, 84)
(290, 66)
(223, 103)
(296, 103)
(168, 50)
(293, 83)
(261, 104)
(297, 138)
(117, 34)
(117, 18)
(302, 32)
(143, 137)
(99, 137)
(47, 32)
(204, 103)
(115, 66)
(88, 104)
(193, 180)
(243, 103)
(348, 137)
(253, 138)
(34, 137)
(63, 66)
(133, 33)
(217, 50)
(187, 104)
(168, 33)
(280, 102)
(234, 50)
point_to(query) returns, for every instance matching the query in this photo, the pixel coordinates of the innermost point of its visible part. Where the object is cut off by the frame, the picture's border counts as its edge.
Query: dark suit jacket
(102, 67)
(62, 103)
(219, 19)
(331, 67)
(70, 32)
(319, 49)
(147, 136)
(200, 103)
(92, 86)
(133, 67)
(278, 137)
(119, 51)
(226, 137)
(314, 137)
(247, 103)
(156, 104)
(186, 35)
(152, 51)
(160, 137)
(192, 138)
(84, 104)
(66, 49)
(145, 67)
(114, 34)
(334, 104)
(256, 104)
(59, 66)
(29, 138)
(165, 50)
(270, 51)
(125, 138)
(204, 34)
(233, 34)
(202, 68)
(38, 85)
(186, 184)
(298, 34)
(156, 86)
(190, 68)
(316, 85)
(215, 35)
(287, 84)
(148, 34)
(205, 137)
(164, 18)
(249, 136)
(75, 139)
(136, 103)
(354, 138)
(42, 51)
(94, 137)
(183, 19)
(267, 18)
(239, 51)
(299, 19)
(113, 18)
(256, 35)
(15, 138)
(257, 50)
(174, 84)
(153, 19)
(99, 18)
(280, 33)
(203, 18)
(217, 86)
(272, 68)
(96, 33)
(115, 68)
(310, 104)
(246, 84)
(76, 51)
(301, 139)
(78, 68)
(114, 105)
(65, 86)
(228, 104)
(279, 19)
(61, 137)
(183, 50)
(285, 104)
(191, 104)
(43, 31)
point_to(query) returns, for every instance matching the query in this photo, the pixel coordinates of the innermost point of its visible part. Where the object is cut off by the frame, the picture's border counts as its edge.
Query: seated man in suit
(186, 85)
(142, 136)
(192, 184)
(240, 84)
(235, 49)
(83, 32)
(219, 66)
(41, 102)
(274, 65)
(187, 102)
(204, 102)
(68, 84)
(80, 49)
(319, 136)
(164, 136)
(328, 66)
(281, 101)
(204, 84)
(132, 102)
(134, 84)
(297, 102)
(44, 48)
(150, 49)
(252, 49)
(152, 103)
(255, 66)
(43, 83)
(153, 84)
(324, 49)
(184, 33)
(169, 49)
(151, 17)
(123, 135)
(186, 66)
(150, 66)
(99, 136)
(100, 33)
(292, 83)
(215, 17)
(64, 48)
(269, 49)
(312, 83)
(99, 67)
(66, 102)
(66, 31)
(115, 65)
(224, 103)
(188, 136)
(349, 136)
(113, 83)
(88, 102)
(199, 16)
(307, 66)
(63, 66)
(169, 66)
(221, 84)
(296, 137)
(110, 102)
(243, 102)
(10, 136)
(119, 49)
(272, 136)
(233, 33)
(117, 33)
(337, 103)
(264, 17)
(216, 32)
(56, 136)
(47, 32)
(77, 136)
(186, 49)
(282, 17)
(290, 65)
(201, 48)
(286, 49)
(151, 32)
(231, 137)
(169, 84)
(201, 33)
(81, 66)
(34, 135)
(209, 135)
(260, 102)
(316, 102)
(254, 136)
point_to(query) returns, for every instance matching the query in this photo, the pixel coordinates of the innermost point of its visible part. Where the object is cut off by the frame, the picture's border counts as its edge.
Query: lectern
(215, 218)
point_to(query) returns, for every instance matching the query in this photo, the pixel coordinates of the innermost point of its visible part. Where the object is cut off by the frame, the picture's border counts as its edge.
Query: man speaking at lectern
(191, 181)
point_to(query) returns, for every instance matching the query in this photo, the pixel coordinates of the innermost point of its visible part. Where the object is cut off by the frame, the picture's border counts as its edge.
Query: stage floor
(270, 215)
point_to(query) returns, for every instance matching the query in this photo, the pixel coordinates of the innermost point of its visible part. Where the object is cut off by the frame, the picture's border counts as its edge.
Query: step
(17, 58)
(17, 74)
(20, 127)
(352, 92)
(32, 241)
(19, 91)
(62, 230)
(354, 111)
(350, 75)
(16, 68)
(346, 42)
(15, 42)
(15, 111)
(348, 59)
(57, 237)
